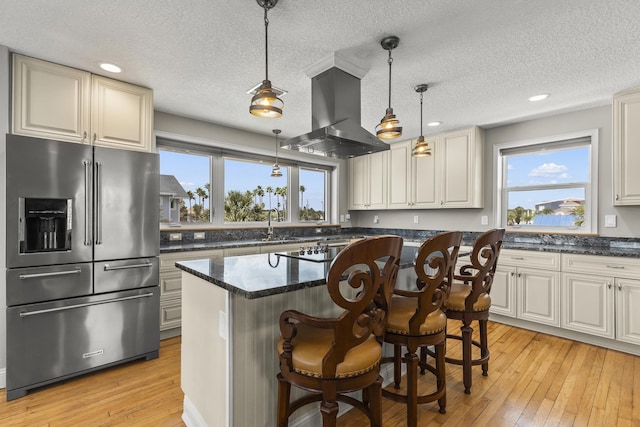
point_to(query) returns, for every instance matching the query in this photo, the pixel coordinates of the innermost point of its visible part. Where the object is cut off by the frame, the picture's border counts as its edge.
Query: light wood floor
(534, 380)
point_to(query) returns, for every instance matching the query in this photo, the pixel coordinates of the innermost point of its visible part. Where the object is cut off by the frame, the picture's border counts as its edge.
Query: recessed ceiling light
(112, 68)
(432, 124)
(540, 97)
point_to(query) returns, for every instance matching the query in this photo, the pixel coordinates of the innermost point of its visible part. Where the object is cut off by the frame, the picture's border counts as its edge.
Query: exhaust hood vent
(335, 116)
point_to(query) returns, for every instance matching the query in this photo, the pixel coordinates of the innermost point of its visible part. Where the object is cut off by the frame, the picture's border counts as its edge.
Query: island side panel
(255, 359)
(204, 356)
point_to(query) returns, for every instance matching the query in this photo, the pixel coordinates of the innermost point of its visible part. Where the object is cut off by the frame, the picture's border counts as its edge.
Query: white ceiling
(482, 59)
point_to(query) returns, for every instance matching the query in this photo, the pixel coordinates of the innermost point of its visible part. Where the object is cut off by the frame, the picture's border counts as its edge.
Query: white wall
(628, 217)
(4, 129)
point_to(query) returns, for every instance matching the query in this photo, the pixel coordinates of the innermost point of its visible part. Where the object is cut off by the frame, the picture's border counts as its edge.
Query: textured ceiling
(481, 59)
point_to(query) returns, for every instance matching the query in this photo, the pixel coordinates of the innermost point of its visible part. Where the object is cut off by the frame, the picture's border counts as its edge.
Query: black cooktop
(314, 253)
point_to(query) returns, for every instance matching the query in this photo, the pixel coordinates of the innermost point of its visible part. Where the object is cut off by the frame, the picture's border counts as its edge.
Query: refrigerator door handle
(52, 273)
(87, 202)
(98, 213)
(69, 307)
(107, 267)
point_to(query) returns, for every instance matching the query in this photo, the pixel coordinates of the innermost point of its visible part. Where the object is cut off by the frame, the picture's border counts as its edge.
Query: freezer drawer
(111, 276)
(36, 284)
(50, 341)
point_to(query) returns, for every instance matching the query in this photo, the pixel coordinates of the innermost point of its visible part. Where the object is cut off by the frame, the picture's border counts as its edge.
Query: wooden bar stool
(332, 356)
(416, 320)
(469, 300)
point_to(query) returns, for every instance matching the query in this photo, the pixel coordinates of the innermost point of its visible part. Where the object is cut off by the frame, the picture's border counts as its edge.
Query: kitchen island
(231, 309)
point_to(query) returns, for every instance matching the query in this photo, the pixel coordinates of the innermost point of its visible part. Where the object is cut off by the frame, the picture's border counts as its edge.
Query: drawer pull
(518, 258)
(617, 267)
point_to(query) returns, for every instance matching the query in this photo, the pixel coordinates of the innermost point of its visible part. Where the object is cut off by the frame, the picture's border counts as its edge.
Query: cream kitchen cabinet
(452, 177)
(626, 150)
(529, 293)
(171, 285)
(601, 296)
(56, 102)
(368, 181)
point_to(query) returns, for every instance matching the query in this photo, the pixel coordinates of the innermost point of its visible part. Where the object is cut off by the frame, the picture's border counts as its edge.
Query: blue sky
(547, 167)
(192, 171)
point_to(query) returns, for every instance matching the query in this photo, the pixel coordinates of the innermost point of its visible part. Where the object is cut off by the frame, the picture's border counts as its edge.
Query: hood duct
(335, 119)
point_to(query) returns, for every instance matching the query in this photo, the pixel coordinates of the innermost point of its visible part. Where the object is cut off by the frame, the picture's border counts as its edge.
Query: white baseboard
(3, 378)
(191, 416)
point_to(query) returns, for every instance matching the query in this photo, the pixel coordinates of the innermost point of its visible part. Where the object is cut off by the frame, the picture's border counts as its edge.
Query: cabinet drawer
(171, 284)
(601, 265)
(530, 259)
(170, 313)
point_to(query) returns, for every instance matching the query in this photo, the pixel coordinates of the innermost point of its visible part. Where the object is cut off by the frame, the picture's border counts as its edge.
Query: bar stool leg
(375, 405)
(441, 381)
(397, 365)
(329, 410)
(284, 392)
(484, 346)
(411, 359)
(423, 360)
(467, 332)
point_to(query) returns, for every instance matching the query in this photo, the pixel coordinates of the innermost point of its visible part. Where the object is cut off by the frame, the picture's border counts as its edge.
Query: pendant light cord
(421, 94)
(390, 61)
(266, 44)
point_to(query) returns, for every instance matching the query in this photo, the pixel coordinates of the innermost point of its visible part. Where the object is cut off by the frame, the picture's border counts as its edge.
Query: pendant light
(265, 103)
(389, 128)
(422, 148)
(276, 172)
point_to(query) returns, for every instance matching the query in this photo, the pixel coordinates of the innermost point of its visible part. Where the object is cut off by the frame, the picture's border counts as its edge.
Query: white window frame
(327, 190)
(590, 225)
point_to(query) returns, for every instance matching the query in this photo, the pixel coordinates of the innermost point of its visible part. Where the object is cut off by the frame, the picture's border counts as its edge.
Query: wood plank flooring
(534, 380)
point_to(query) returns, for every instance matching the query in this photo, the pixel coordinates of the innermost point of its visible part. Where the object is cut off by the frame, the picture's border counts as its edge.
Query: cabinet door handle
(608, 285)
(95, 137)
(617, 267)
(519, 274)
(513, 274)
(617, 197)
(619, 287)
(84, 136)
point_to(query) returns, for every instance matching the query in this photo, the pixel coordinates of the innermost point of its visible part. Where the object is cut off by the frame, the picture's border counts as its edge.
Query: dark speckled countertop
(261, 275)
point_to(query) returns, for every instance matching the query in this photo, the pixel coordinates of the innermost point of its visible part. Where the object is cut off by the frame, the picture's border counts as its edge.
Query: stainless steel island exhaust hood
(335, 119)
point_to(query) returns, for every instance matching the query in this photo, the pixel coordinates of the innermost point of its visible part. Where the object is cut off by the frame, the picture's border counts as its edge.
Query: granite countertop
(575, 249)
(261, 275)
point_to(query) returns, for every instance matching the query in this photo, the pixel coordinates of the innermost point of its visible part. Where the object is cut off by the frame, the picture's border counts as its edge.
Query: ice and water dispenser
(45, 225)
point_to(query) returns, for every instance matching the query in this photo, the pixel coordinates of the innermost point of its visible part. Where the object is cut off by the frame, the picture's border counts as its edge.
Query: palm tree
(201, 195)
(207, 187)
(578, 211)
(191, 197)
(269, 190)
(302, 190)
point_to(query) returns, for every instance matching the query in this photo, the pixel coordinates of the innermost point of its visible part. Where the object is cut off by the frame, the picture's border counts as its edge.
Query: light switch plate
(341, 218)
(376, 219)
(484, 220)
(198, 235)
(610, 221)
(416, 219)
(175, 236)
(347, 217)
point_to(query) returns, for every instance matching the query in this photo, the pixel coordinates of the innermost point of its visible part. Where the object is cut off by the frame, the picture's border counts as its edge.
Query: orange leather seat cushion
(401, 311)
(458, 295)
(310, 345)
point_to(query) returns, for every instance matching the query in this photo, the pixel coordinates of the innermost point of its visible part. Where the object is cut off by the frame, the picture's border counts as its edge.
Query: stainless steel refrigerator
(82, 250)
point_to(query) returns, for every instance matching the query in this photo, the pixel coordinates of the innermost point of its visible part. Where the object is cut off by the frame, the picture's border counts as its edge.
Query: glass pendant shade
(265, 103)
(389, 128)
(421, 149)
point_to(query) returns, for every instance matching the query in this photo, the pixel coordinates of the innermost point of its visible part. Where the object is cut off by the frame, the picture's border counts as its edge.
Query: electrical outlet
(610, 221)
(341, 218)
(347, 217)
(416, 219)
(484, 220)
(198, 235)
(175, 236)
(376, 219)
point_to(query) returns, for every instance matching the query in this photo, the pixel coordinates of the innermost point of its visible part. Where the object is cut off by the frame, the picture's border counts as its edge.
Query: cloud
(550, 170)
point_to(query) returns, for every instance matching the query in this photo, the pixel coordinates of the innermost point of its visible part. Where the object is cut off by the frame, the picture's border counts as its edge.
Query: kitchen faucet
(269, 227)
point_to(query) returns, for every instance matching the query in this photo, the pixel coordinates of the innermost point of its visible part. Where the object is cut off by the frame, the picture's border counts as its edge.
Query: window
(203, 185)
(312, 195)
(185, 181)
(548, 185)
(250, 193)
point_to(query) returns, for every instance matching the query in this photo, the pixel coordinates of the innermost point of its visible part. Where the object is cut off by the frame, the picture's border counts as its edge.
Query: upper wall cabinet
(626, 150)
(450, 178)
(57, 102)
(368, 181)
